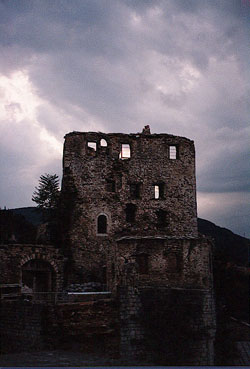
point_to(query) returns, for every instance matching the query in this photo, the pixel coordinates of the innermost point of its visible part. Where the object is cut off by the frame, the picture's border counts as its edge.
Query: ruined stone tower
(125, 185)
(129, 220)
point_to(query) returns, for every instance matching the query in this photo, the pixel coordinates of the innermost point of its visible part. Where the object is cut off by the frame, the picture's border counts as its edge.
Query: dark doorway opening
(102, 224)
(39, 276)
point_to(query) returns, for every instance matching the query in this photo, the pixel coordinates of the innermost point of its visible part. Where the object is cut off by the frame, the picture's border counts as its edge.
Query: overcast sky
(181, 66)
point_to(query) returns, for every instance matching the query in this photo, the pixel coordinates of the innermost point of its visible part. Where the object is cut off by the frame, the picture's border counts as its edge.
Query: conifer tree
(46, 195)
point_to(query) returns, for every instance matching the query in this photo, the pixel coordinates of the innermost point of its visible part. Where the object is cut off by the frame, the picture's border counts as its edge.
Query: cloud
(230, 210)
(26, 145)
(180, 66)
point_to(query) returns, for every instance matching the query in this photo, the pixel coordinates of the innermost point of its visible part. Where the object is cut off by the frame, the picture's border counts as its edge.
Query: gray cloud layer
(180, 66)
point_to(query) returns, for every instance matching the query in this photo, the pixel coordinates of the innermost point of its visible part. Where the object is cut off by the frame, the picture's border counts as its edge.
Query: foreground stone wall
(168, 326)
(20, 326)
(167, 308)
(180, 325)
(91, 326)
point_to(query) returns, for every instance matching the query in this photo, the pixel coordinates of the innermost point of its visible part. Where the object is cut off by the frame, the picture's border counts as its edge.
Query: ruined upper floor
(141, 183)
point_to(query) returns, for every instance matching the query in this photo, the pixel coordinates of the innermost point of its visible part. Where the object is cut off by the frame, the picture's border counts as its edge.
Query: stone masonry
(129, 220)
(13, 258)
(97, 180)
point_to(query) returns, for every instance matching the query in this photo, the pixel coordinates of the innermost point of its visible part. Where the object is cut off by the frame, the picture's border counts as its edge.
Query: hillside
(32, 214)
(231, 246)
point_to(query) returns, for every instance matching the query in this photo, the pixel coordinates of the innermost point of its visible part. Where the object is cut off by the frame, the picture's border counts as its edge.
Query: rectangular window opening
(172, 152)
(157, 192)
(125, 152)
(143, 263)
(110, 186)
(92, 145)
(135, 189)
(130, 213)
(161, 218)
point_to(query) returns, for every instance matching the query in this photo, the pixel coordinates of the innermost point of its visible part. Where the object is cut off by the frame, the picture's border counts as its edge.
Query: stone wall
(20, 326)
(171, 262)
(167, 308)
(168, 326)
(90, 326)
(132, 345)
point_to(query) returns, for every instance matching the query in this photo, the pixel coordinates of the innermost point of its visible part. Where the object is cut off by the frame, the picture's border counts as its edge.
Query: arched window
(103, 143)
(102, 224)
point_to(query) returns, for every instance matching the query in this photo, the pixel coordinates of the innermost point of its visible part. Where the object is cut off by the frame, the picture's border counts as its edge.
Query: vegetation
(228, 246)
(46, 195)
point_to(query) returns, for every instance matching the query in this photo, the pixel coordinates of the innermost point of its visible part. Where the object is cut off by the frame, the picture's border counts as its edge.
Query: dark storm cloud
(50, 26)
(180, 66)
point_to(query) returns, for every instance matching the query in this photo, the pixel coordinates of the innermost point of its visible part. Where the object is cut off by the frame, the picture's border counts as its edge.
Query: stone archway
(39, 276)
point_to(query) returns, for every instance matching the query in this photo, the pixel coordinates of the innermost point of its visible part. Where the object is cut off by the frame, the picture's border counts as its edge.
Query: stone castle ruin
(128, 225)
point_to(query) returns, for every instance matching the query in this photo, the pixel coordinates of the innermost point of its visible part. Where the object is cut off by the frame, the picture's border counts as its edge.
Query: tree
(46, 195)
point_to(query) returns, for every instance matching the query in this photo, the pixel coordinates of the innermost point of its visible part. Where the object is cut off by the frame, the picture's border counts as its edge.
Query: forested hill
(228, 245)
(32, 214)
(231, 246)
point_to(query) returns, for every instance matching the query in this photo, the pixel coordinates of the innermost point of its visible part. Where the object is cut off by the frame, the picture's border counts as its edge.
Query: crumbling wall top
(145, 132)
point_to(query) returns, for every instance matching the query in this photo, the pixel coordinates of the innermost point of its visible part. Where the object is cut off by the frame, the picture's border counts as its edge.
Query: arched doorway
(39, 276)
(102, 224)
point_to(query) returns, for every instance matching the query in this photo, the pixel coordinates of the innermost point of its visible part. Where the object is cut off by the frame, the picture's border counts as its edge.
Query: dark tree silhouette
(46, 195)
